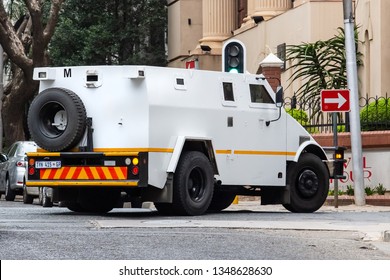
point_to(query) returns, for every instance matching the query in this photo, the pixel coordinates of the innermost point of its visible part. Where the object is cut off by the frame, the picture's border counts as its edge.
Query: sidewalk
(372, 230)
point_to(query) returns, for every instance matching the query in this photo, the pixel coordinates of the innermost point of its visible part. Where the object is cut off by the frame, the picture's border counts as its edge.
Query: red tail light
(21, 163)
(31, 171)
(135, 170)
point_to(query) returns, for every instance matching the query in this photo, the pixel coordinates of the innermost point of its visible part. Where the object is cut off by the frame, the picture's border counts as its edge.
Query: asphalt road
(242, 232)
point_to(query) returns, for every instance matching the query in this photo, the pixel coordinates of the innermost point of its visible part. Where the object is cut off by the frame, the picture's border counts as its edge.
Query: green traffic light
(233, 57)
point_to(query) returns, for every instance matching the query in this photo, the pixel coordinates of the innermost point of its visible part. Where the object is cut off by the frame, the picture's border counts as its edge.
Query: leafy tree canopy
(94, 32)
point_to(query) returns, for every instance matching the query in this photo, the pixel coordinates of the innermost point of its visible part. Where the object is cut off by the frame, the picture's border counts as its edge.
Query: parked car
(13, 171)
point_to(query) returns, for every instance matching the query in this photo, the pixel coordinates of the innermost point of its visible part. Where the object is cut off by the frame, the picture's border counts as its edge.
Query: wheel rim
(54, 119)
(308, 183)
(196, 184)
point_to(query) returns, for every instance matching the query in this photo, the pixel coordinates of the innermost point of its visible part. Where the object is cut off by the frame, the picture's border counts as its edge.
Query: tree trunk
(18, 93)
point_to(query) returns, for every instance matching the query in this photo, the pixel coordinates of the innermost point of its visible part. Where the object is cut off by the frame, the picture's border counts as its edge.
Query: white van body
(163, 112)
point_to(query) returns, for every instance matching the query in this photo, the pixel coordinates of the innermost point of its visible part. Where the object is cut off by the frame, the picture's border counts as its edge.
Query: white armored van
(187, 140)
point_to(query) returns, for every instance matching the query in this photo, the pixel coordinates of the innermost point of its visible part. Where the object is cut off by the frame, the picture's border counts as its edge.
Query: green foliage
(380, 189)
(110, 32)
(350, 190)
(375, 114)
(320, 65)
(298, 115)
(301, 117)
(369, 191)
(332, 192)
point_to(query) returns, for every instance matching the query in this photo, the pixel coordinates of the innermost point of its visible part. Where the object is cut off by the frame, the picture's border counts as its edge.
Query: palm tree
(321, 65)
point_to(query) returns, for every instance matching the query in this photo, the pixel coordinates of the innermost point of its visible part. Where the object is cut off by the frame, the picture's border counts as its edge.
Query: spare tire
(57, 119)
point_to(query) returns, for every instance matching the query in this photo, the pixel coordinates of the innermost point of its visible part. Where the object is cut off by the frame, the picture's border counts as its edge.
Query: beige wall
(307, 21)
(182, 36)
(285, 28)
(372, 17)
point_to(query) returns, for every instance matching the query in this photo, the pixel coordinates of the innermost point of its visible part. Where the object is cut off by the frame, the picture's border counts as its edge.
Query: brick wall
(370, 139)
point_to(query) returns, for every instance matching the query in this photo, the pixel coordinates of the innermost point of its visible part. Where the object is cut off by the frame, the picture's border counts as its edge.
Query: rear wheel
(9, 193)
(221, 201)
(73, 206)
(27, 199)
(46, 199)
(98, 200)
(193, 184)
(309, 184)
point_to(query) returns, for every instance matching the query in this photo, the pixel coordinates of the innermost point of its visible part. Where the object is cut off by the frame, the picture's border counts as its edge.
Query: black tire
(57, 119)
(309, 184)
(193, 184)
(27, 199)
(73, 206)
(98, 200)
(46, 200)
(40, 196)
(221, 201)
(9, 193)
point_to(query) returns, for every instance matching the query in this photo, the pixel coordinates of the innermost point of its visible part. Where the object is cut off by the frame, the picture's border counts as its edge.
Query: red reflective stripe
(76, 173)
(101, 173)
(86, 172)
(52, 173)
(64, 173)
(113, 173)
(89, 173)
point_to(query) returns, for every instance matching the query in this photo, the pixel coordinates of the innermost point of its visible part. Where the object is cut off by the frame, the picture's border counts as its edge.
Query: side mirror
(3, 157)
(278, 103)
(279, 97)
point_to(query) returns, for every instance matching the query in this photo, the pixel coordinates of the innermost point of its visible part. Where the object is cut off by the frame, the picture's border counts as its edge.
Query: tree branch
(35, 9)
(11, 42)
(52, 21)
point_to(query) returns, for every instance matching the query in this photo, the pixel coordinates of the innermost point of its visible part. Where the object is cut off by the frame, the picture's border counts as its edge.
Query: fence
(374, 114)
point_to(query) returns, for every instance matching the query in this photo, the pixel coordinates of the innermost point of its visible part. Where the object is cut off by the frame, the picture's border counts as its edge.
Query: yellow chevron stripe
(89, 183)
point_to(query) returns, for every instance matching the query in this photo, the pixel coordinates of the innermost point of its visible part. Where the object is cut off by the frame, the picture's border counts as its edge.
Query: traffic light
(233, 59)
(338, 171)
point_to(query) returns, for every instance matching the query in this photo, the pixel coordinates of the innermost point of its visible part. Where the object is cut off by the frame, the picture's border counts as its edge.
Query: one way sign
(335, 100)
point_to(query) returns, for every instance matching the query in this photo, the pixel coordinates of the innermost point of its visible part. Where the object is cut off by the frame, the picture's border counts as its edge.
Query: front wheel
(193, 184)
(309, 184)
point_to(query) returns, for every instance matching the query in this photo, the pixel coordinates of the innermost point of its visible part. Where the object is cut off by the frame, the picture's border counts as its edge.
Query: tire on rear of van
(57, 119)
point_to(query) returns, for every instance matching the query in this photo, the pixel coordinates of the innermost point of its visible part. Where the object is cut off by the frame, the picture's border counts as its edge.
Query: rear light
(31, 161)
(31, 171)
(135, 170)
(21, 163)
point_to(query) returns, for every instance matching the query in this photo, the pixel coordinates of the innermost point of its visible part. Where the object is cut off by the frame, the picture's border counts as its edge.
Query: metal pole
(335, 144)
(356, 140)
(1, 96)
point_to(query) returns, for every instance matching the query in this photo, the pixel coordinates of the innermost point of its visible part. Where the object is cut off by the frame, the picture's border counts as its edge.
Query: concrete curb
(376, 200)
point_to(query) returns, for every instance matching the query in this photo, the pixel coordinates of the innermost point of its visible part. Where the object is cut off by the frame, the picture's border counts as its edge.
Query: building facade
(197, 30)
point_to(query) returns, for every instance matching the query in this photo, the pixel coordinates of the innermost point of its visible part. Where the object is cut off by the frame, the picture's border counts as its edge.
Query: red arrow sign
(335, 100)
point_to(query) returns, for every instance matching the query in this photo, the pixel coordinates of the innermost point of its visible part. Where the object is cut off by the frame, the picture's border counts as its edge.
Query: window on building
(259, 94)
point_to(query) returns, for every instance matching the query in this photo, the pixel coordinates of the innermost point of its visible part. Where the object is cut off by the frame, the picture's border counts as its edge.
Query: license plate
(48, 164)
